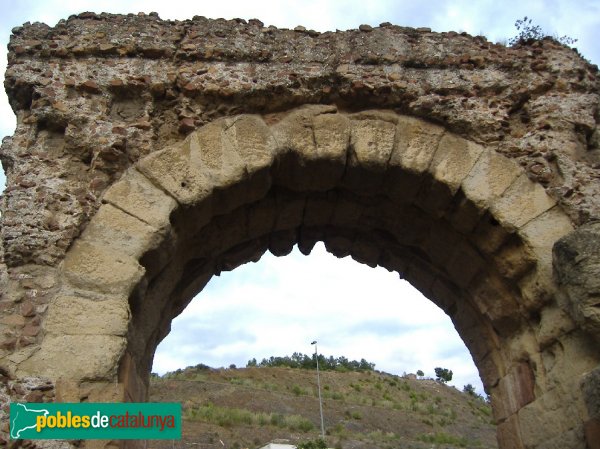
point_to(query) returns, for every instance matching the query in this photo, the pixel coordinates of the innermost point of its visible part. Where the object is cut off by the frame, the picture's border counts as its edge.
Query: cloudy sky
(278, 306)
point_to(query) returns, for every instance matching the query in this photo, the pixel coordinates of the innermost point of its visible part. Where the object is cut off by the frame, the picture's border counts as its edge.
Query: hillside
(247, 408)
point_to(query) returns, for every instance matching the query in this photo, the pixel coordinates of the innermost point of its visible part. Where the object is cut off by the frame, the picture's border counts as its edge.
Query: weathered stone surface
(137, 196)
(521, 202)
(92, 267)
(117, 230)
(71, 315)
(577, 265)
(592, 433)
(453, 161)
(590, 385)
(509, 434)
(187, 74)
(490, 177)
(518, 387)
(81, 356)
(417, 141)
(180, 173)
(371, 145)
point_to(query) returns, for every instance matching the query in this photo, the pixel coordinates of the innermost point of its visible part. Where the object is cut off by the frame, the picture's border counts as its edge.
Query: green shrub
(444, 438)
(529, 33)
(296, 422)
(337, 396)
(319, 443)
(356, 387)
(277, 420)
(298, 391)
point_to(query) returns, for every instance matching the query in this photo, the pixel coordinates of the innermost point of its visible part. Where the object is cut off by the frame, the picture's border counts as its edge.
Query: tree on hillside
(469, 389)
(443, 375)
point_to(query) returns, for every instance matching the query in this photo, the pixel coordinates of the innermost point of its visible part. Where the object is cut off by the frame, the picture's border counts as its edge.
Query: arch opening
(278, 305)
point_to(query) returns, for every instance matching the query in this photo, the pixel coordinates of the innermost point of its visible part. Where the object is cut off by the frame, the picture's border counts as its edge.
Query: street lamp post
(319, 388)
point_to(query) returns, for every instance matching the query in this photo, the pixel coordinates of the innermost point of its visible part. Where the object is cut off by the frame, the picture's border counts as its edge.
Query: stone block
(453, 160)
(491, 175)
(180, 171)
(541, 233)
(104, 392)
(116, 230)
(255, 146)
(137, 196)
(372, 144)
(495, 299)
(491, 369)
(434, 198)
(548, 421)
(339, 244)
(416, 143)
(590, 386)
(290, 212)
(521, 202)
(514, 391)
(135, 388)
(514, 259)
(332, 137)
(346, 212)
(592, 433)
(576, 261)
(489, 235)
(77, 357)
(509, 433)
(471, 327)
(554, 323)
(363, 251)
(464, 216)
(262, 217)
(92, 267)
(312, 143)
(319, 209)
(420, 275)
(464, 264)
(295, 133)
(72, 315)
(441, 243)
(281, 243)
(445, 295)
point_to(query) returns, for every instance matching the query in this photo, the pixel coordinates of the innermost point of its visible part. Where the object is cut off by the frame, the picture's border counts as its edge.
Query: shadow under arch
(462, 223)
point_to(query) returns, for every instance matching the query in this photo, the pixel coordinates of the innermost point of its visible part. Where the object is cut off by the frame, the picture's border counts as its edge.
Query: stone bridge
(150, 155)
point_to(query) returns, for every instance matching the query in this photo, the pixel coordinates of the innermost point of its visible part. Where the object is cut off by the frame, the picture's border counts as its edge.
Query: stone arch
(458, 220)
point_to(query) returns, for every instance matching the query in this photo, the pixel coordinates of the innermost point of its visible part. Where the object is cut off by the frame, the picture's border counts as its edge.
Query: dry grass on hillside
(246, 408)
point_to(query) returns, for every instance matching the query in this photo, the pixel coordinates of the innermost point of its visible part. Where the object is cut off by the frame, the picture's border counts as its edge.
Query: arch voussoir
(138, 196)
(489, 178)
(522, 201)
